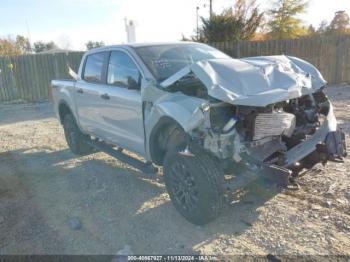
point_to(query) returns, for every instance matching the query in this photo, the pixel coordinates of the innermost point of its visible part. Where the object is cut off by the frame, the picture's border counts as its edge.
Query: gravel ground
(52, 202)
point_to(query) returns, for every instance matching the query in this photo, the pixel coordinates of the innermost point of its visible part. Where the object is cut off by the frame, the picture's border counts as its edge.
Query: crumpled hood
(255, 81)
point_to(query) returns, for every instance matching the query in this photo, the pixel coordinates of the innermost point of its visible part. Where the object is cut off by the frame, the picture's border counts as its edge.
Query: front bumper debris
(308, 146)
(275, 174)
(327, 143)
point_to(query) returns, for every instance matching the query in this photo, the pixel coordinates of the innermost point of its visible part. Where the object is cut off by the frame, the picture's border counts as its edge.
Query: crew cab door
(121, 111)
(88, 91)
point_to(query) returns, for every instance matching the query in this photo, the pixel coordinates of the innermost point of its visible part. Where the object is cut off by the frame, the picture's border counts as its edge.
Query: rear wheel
(76, 140)
(194, 182)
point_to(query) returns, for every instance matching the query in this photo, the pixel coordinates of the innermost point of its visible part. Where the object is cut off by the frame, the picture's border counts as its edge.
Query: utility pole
(197, 9)
(210, 8)
(28, 32)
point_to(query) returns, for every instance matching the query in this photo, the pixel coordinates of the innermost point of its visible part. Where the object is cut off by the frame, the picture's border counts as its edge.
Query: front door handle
(80, 91)
(105, 96)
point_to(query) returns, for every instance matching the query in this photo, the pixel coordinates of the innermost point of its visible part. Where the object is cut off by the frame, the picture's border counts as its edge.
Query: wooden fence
(330, 54)
(27, 78)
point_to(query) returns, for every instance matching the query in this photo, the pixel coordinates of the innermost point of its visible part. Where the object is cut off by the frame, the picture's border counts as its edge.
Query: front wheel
(194, 184)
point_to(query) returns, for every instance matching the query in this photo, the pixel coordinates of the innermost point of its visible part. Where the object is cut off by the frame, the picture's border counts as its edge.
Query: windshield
(166, 60)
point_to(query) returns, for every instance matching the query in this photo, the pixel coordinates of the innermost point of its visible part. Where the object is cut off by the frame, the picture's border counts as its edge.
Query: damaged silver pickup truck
(214, 123)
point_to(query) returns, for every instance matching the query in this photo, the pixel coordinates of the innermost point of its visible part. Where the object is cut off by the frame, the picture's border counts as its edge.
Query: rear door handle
(80, 91)
(105, 96)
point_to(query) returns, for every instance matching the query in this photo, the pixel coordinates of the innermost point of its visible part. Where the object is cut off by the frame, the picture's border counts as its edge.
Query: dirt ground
(52, 202)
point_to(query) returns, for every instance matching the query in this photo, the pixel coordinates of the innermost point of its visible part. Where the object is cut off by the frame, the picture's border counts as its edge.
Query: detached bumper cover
(336, 145)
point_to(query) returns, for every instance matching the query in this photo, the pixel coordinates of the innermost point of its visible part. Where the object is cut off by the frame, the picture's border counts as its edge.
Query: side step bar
(145, 167)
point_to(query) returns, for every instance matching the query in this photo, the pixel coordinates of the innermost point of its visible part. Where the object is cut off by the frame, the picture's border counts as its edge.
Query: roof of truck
(160, 43)
(143, 44)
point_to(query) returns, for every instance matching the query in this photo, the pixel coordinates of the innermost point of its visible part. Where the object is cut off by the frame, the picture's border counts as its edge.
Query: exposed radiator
(273, 124)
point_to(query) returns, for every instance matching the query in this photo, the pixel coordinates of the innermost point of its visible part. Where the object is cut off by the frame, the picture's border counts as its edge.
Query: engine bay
(263, 134)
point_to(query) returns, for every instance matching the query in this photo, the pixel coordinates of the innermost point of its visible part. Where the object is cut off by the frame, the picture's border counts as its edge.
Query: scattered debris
(273, 258)
(293, 218)
(74, 223)
(347, 195)
(330, 191)
(126, 251)
(316, 207)
(342, 201)
(293, 186)
(247, 223)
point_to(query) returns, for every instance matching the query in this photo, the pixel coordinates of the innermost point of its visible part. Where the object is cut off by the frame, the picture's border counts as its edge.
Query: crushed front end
(277, 140)
(262, 115)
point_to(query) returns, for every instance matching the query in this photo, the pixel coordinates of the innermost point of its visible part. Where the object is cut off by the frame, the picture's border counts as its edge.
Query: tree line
(245, 21)
(20, 45)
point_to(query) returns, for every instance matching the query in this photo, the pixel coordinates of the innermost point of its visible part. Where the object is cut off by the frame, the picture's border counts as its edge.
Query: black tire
(194, 184)
(176, 139)
(76, 140)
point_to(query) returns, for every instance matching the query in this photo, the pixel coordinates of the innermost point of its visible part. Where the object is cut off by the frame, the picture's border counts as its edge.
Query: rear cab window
(93, 69)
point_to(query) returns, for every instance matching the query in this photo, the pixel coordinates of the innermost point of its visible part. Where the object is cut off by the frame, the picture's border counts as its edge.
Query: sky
(71, 23)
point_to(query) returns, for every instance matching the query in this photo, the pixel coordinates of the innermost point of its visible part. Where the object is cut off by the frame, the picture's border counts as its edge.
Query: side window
(122, 71)
(93, 67)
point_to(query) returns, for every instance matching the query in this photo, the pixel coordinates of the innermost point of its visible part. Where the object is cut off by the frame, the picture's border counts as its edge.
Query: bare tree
(41, 46)
(94, 44)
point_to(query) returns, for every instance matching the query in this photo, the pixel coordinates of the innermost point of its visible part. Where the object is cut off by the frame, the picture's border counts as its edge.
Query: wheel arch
(64, 109)
(173, 110)
(157, 138)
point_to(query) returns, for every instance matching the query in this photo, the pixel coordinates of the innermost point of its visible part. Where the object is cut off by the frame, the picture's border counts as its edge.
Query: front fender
(186, 111)
(182, 109)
